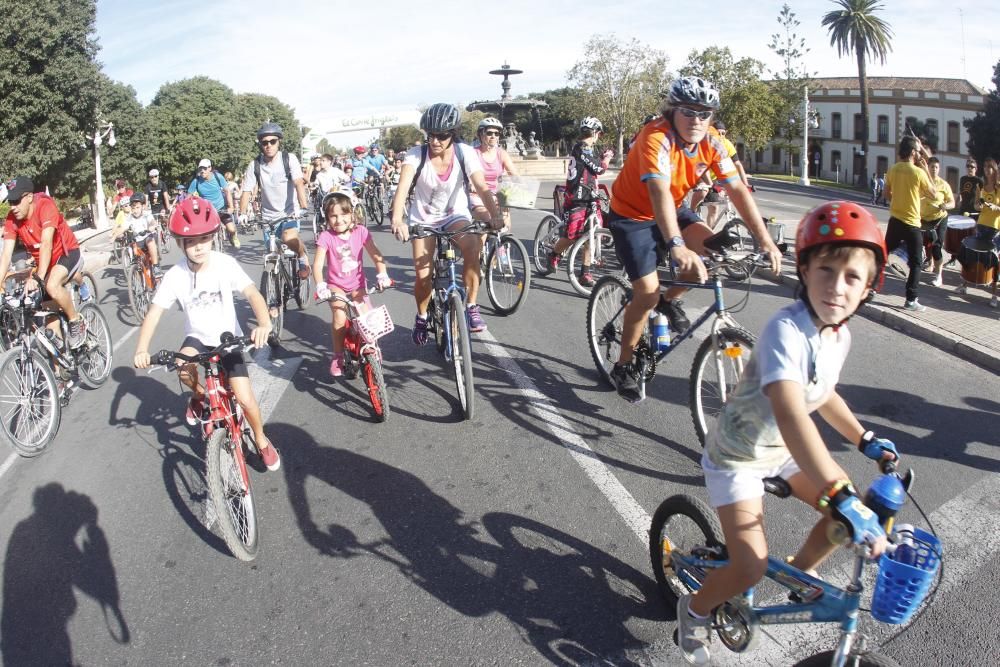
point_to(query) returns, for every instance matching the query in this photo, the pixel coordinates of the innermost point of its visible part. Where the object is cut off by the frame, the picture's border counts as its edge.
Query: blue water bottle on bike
(659, 331)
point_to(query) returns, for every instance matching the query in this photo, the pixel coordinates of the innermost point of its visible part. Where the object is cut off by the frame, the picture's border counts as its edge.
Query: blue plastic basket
(900, 588)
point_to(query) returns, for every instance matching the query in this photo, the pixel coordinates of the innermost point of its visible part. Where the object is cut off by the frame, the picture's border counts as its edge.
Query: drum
(959, 227)
(979, 261)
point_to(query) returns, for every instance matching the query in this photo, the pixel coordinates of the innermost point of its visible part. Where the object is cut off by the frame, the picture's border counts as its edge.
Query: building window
(835, 126)
(835, 161)
(931, 130)
(881, 164)
(911, 121)
(859, 127)
(951, 175)
(883, 129)
(775, 155)
(953, 137)
(759, 157)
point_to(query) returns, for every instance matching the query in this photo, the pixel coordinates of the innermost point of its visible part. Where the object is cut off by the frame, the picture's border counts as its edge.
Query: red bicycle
(361, 350)
(228, 441)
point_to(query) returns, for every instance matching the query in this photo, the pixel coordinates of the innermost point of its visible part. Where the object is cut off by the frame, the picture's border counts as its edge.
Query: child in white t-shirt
(141, 224)
(202, 283)
(342, 243)
(765, 430)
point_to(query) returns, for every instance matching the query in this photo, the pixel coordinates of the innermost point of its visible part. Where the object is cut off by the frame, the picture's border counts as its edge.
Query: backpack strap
(423, 159)
(284, 161)
(288, 169)
(416, 174)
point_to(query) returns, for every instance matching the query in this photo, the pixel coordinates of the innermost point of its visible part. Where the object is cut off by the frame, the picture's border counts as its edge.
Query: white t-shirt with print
(438, 201)
(139, 225)
(206, 297)
(790, 348)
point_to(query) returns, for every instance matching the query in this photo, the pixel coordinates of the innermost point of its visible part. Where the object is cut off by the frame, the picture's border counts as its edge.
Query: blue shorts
(640, 245)
(287, 223)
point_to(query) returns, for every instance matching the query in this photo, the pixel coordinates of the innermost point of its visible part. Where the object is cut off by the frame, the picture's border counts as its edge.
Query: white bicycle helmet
(592, 124)
(692, 90)
(489, 122)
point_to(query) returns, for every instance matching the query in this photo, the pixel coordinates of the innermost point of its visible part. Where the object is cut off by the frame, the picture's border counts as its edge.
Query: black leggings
(899, 232)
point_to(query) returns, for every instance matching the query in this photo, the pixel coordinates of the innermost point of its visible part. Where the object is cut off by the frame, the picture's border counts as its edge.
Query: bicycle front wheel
(10, 327)
(508, 276)
(87, 278)
(232, 497)
(546, 236)
(461, 353)
(271, 287)
(683, 527)
(717, 369)
(589, 262)
(94, 359)
(138, 300)
(374, 379)
(302, 288)
(29, 402)
(605, 321)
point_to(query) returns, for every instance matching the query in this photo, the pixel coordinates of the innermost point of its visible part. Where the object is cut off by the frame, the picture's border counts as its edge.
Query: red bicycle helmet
(194, 217)
(358, 150)
(841, 222)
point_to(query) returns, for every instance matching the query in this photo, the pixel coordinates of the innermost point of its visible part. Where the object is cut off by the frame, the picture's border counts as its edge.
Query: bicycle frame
(224, 412)
(274, 255)
(353, 341)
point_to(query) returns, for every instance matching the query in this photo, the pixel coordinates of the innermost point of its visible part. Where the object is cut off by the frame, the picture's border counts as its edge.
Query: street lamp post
(101, 219)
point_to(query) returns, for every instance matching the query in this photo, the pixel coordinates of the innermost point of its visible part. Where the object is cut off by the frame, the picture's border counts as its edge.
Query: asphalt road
(513, 539)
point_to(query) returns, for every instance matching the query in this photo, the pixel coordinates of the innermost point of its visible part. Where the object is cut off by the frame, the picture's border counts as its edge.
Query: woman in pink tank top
(495, 161)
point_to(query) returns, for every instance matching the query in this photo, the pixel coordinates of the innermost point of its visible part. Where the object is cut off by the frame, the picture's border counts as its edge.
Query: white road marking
(621, 500)
(121, 341)
(8, 463)
(270, 377)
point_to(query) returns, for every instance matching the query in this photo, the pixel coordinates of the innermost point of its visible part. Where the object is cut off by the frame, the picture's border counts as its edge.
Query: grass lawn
(814, 181)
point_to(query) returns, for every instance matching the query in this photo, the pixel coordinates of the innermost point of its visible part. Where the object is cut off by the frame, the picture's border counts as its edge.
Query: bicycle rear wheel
(231, 494)
(138, 299)
(682, 526)
(854, 659)
(378, 393)
(30, 411)
(508, 276)
(95, 358)
(546, 236)
(603, 260)
(741, 270)
(717, 369)
(271, 287)
(605, 320)
(461, 354)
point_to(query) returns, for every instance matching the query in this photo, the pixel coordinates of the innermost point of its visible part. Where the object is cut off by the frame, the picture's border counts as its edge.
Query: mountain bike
(10, 327)
(139, 278)
(446, 314)
(39, 372)
(228, 441)
(280, 280)
(362, 353)
(503, 264)
(719, 361)
(373, 203)
(686, 542)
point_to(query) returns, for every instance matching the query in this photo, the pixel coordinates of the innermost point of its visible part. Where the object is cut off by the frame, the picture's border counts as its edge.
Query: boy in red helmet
(203, 283)
(764, 430)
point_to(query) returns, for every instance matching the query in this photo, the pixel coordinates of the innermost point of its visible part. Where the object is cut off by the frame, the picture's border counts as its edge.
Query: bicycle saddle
(723, 239)
(777, 486)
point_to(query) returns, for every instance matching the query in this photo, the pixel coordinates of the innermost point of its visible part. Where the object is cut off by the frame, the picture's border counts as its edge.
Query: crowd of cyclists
(445, 182)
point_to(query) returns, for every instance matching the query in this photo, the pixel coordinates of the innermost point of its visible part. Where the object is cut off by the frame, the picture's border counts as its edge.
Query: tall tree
(622, 81)
(48, 86)
(255, 109)
(856, 30)
(789, 81)
(984, 129)
(749, 106)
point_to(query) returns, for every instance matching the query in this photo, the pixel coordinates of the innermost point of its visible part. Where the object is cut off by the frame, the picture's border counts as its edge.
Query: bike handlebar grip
(272, 339)
(163, 358)
(226, 337)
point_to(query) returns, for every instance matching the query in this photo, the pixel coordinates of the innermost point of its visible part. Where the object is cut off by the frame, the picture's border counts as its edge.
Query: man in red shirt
(35, 220)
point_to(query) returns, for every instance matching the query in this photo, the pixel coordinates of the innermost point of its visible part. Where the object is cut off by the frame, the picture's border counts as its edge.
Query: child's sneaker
(476, 323)
(962, 289)
(587, 279)
(195, 411)
(553, 260)
(693, 634)
(994, 302)
(337, 366)
(303, 269)
(420, 331)
(269, 455)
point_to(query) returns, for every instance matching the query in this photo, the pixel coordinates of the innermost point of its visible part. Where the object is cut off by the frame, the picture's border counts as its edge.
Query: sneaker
(476, 323)
(895, 269)
(623, 376)
(303, 268)
(694, 636)
(157, 271)
(937, 282)
(77, 332)
(993, 302)
(962, 289)
(914, 306)
(951, 262)
(85, 294)
(554, 259)
(587, 279)
(675, 314)
(194, 412)
(420, 330)
(269, 455)
(236, 241)
(337, 366)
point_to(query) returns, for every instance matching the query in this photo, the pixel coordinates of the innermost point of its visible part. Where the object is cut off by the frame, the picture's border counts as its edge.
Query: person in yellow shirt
(905, 183)
(713, 196)
(934, 218)
(988, 224)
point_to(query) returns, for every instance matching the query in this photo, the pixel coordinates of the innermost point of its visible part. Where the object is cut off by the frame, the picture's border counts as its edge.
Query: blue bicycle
(686, 542)
(446, 315)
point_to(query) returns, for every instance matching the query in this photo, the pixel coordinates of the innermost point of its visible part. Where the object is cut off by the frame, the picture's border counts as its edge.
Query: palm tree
(854, 28)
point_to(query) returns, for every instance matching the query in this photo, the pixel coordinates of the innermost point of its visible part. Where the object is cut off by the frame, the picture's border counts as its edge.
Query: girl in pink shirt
(339, 251)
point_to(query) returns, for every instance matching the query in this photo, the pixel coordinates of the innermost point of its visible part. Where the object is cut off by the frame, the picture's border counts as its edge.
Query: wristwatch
(675, 242)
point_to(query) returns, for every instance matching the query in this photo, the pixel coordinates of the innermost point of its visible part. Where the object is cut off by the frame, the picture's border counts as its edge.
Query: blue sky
(330, 59)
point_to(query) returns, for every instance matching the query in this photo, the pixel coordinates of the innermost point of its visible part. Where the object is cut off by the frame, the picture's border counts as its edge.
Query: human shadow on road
(177, 444)
(571, 600)
(56, 551)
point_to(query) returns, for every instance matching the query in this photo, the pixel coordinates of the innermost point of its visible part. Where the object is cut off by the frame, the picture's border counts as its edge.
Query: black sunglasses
(440, 136)
(269, 142)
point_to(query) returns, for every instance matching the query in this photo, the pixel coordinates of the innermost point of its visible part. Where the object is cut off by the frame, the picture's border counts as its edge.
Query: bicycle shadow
(181, 449)
(533, 574)
(58, 550)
